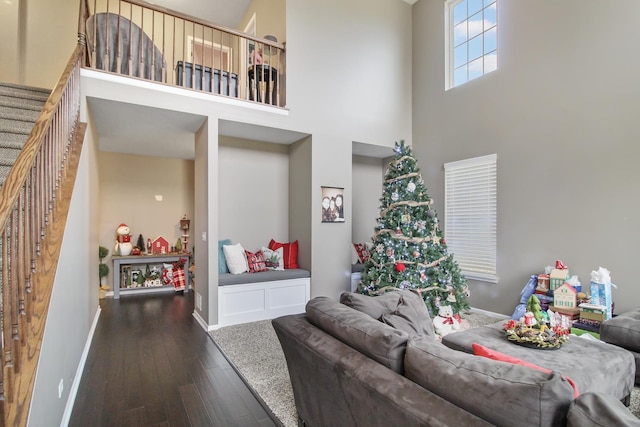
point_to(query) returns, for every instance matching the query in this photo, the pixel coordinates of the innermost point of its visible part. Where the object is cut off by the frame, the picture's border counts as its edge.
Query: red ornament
(400, 267)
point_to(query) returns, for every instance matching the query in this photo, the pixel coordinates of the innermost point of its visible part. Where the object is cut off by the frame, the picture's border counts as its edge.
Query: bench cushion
(263, 276)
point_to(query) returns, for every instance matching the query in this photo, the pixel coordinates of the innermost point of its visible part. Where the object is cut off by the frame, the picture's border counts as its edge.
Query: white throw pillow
(236, 258)
(274, 259)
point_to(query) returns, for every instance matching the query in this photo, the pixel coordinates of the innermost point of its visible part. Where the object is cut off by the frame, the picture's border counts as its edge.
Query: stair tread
(25, 104)
(14, 126)
(20, 106)
(13, 138)
(25, 87)
(20, 115)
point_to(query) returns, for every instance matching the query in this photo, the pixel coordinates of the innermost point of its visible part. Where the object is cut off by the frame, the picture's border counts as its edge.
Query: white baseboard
(202, 323)
(66, 416)
(489, 313)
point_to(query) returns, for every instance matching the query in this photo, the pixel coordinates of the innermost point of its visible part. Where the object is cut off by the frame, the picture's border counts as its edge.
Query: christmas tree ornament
(406, 218)
(431, 213)
(411, 187)
(400, 267)
(395, 197)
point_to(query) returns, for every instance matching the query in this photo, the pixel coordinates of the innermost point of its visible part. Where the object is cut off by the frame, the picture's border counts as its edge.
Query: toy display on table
(123, 240)
(534, 330)
(565, 303)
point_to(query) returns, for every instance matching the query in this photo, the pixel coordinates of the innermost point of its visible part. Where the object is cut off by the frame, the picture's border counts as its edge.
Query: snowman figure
(123, 240)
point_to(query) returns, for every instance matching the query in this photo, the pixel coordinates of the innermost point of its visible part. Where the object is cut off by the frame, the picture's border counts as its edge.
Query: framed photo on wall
(332, 204)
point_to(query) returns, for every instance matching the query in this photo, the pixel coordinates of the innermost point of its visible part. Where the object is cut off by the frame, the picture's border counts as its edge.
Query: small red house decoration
(160, 246)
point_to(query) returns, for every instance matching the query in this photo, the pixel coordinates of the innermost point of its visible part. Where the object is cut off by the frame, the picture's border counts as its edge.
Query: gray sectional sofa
(374, 361)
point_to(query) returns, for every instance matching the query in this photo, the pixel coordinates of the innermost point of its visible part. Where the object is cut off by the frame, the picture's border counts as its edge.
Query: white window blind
(470, 215)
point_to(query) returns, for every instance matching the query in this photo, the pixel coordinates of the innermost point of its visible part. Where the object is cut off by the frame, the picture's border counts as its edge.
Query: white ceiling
(147, 131)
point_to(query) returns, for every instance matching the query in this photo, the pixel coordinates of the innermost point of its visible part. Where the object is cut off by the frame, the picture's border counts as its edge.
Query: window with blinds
(470, 215)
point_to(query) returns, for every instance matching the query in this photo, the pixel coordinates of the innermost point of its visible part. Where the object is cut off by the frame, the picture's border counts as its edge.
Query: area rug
(254, 351)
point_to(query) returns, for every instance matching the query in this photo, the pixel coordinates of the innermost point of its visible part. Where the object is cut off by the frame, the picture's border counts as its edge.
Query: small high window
(471, 40)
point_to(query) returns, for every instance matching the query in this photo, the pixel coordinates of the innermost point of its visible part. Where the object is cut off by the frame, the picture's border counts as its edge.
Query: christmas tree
(409, 251)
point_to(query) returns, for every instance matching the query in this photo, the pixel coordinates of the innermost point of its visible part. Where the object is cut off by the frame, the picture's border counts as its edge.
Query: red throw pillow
(480, 350)
(256, 262)
(362, 251)
(290, 252)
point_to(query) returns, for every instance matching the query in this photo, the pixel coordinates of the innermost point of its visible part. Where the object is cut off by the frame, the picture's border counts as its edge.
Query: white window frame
(470, 215)
(486, 36)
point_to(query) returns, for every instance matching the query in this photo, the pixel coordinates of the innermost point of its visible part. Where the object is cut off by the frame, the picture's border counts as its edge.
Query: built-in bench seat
(249, 297)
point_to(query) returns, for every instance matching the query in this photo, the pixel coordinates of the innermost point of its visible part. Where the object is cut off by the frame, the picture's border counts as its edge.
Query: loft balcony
(143, 41)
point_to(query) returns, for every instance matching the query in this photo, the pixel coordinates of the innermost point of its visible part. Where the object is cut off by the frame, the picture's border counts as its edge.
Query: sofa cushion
(480, 350)
(623, 330)
(380, 342)
(599, 410)
(373, 306)
(501, 393)
(410, 316)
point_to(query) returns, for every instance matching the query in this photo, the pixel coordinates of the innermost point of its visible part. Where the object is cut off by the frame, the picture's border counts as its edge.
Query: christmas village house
(160, 246)
(565, 301)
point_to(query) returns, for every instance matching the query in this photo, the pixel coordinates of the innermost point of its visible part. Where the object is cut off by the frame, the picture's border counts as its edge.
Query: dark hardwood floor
(151, 364)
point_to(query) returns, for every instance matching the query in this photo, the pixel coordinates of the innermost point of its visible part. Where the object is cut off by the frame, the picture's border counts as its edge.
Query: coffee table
(593, 365)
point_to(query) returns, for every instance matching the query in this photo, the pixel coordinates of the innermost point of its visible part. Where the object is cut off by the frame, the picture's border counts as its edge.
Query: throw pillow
(236, 258)
(255, 262)
(480, 350)
(222, 263)
(290, 252)
(410, 316)
(273, 259)
(363, 252)
(375, 307)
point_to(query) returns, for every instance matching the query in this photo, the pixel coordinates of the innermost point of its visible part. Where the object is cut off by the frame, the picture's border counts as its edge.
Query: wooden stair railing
(34, 203)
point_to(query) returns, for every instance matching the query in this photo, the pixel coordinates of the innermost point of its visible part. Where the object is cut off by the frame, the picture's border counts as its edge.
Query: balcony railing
(144, 41)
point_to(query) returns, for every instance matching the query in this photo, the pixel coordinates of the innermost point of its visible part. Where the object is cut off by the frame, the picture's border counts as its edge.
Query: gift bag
(600, 288)
(179, 283)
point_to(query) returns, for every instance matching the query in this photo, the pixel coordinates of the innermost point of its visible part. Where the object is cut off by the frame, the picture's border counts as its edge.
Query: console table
(119, 261)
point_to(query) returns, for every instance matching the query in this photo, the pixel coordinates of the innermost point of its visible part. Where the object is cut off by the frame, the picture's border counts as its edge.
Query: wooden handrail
(32, 220)
(18, 174)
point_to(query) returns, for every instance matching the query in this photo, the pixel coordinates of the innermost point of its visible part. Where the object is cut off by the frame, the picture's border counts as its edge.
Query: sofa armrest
(333, 384)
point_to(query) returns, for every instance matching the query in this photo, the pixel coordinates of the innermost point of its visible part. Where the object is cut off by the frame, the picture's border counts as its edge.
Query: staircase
(19, 109)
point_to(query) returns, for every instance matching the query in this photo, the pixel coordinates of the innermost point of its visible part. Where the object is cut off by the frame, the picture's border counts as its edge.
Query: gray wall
(253, 192)
(560, 112)
(367, 174)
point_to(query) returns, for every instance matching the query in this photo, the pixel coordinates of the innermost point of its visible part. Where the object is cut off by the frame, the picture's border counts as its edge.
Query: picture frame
(332, 204)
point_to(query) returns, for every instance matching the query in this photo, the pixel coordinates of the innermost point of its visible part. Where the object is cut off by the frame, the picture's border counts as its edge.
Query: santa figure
(123, 240)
